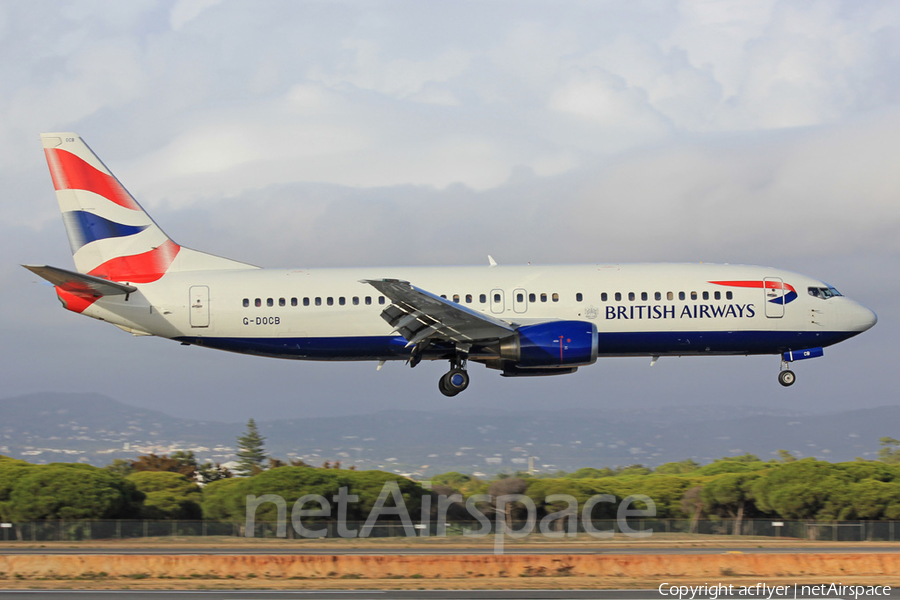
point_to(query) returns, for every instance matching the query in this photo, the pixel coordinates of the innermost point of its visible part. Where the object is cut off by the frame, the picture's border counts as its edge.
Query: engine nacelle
(551, 345)
(512, 371)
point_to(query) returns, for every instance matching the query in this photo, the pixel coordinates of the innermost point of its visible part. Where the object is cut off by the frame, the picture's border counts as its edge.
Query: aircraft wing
(79, 283)
(417, 314)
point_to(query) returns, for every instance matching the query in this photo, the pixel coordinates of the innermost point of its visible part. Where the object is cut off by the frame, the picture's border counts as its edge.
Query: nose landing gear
(455, 380)
(786, 377)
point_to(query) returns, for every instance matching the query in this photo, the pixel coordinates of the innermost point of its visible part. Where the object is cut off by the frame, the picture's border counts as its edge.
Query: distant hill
(92, 428)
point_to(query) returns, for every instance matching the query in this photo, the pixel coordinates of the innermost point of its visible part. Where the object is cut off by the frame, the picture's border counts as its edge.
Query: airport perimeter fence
(74, 531)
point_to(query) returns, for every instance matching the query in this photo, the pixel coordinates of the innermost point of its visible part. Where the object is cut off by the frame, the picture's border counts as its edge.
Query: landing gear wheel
(453, 382)
(787, 378)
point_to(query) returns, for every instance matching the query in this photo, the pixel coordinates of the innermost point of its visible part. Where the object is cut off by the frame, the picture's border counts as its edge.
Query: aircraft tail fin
(111, 236)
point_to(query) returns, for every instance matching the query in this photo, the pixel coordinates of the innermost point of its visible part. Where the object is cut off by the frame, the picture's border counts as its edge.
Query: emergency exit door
(199, 306)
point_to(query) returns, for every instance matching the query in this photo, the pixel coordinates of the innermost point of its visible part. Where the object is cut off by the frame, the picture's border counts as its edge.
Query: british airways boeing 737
(519, 320)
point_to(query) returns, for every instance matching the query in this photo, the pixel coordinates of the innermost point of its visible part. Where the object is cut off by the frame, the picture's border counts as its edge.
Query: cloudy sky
(429, 133)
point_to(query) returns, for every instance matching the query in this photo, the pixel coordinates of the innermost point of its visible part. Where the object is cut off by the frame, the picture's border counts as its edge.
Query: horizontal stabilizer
(79, 283)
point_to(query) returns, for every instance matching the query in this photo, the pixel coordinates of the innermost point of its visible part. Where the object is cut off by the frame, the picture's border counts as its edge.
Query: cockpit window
(823, 292)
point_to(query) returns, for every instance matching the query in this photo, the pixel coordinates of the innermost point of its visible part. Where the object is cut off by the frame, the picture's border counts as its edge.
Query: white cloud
(185, 11)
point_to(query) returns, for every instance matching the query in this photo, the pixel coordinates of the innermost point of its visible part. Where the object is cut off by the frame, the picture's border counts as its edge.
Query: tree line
(177, 487)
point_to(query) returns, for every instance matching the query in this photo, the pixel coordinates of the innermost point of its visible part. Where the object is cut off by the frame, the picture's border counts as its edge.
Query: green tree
(742, 458)
(72, 491)
(677, 468)
(227, 499)
(466, 484)
(120, 467)
(591, 473)
(785, 456)
(220, 503)
(803, 489)
(167, 495)
(251, 452)
(692, 505)
(11, 471)
(873, 499)
(730, 496)
(188, 463)
(889, 451)
(209, 472)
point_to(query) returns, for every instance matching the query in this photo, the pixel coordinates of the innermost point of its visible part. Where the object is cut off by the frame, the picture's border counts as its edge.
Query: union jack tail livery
(114, 241)
(519, 320)
(111, 236)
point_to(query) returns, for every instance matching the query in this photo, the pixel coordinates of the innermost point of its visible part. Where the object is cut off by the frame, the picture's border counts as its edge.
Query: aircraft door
(773, 288)
(199, 306)
(520, 301)
(497, 303)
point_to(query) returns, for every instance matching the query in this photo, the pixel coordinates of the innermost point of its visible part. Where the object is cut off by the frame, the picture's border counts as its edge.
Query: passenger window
(318, 301)
(579, 297)
(555, 297)
(281, 302)
(444, 296)
(543, 297)
(329, 301)
(247, 301)
(482, 298)
(618, 296)
(270, 302)
(293, 302)
(718, 295)
(706, 295)
(342, 301)
(456, 298)
(355, 300)
(644, 296)
(380, 299)
(368, 300)
(670, 296)
(729, 295)
(468, 298)
(520, 297)
(603, 297)
(496, 297)
(532, 297)
(306, 302)
(681, 295)
(658, 295)
(631, 296)
(693, 295)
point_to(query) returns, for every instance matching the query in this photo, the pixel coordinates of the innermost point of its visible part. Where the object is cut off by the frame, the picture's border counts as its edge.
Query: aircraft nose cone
(862, 318)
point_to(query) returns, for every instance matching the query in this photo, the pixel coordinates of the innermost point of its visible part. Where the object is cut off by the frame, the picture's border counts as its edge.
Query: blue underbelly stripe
(611, 344)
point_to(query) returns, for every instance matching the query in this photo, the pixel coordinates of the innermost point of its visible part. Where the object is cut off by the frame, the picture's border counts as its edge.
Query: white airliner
(520, 320)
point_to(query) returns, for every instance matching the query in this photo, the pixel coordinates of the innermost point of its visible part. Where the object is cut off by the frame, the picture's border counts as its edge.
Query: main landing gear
(455, 380)
(786, 377)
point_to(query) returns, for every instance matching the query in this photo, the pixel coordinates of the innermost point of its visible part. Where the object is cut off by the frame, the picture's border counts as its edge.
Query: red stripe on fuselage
(139, 268)
(69, 172)
(771, 285)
